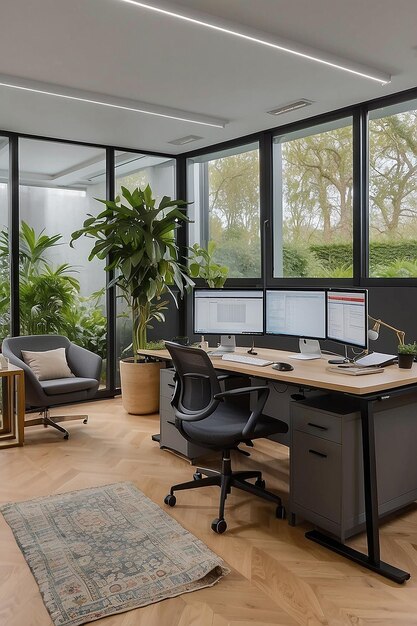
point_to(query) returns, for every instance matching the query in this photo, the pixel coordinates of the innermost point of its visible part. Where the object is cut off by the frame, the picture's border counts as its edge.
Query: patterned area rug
(107, 550)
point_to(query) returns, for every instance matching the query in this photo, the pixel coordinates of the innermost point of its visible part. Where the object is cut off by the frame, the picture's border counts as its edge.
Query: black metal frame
(359, 114)
(14, 228)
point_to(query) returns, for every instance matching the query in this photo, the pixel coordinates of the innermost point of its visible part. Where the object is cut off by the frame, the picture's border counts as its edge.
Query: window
(60, 290)
(138, 170)
(313, 185)
(393, 191)
(224, 189)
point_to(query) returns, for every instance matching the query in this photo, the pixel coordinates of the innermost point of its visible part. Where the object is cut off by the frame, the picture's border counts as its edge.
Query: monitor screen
(347, 317)
(228, 311)
(296, 312)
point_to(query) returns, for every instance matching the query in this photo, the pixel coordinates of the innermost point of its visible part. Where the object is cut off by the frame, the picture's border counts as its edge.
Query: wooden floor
(278, 577)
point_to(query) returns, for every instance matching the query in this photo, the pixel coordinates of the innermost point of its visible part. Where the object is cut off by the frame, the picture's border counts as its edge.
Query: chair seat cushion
(67, 385)
(223, 428)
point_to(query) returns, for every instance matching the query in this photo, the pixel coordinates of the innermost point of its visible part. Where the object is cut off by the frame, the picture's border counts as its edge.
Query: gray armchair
(42, 394)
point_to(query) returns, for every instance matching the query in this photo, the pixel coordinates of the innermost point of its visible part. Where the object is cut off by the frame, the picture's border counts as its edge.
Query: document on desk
(375, 358)
(354, 371)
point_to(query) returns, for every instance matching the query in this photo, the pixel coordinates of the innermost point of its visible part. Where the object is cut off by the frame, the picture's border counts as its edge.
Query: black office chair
(206, 415)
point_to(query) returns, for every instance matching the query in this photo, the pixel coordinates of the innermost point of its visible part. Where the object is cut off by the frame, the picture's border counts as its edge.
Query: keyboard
(247, 360)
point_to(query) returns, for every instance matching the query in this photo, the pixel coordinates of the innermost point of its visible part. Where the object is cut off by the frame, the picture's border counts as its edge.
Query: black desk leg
(371, 560)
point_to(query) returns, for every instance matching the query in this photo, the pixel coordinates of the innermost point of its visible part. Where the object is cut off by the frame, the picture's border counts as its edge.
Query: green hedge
(337, 255)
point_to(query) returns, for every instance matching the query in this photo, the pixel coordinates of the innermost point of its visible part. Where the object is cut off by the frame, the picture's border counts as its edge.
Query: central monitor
(228, 311)
(296, 313)
(347, 316)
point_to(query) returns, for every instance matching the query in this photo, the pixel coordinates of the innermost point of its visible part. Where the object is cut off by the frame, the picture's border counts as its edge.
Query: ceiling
(117, 49)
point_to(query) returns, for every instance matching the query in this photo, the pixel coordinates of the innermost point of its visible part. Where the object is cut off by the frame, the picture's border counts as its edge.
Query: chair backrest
(35, 343)
(197, 383)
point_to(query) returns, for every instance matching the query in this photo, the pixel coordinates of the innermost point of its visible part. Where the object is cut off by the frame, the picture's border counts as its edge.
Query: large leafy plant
(138, 238)
(50, 301)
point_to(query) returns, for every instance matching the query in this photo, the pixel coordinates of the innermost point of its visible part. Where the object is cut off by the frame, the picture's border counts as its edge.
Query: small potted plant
(406, 354)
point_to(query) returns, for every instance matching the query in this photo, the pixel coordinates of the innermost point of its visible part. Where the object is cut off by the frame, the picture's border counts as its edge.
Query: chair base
(226, 479)
(47, 420)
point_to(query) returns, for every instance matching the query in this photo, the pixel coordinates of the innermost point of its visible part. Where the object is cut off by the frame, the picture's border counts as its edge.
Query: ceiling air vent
(183, 140)
(291, 106)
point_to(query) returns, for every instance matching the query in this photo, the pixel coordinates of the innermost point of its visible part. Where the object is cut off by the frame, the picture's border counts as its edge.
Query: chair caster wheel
(170, 500)
(218, 526)
(280, 513)
(85, 421)
(197, 476)
(66, 436)
(260, 483)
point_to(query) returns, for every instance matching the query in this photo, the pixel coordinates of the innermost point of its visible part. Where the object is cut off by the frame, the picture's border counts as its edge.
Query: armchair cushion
(67, 385)
(48, 364)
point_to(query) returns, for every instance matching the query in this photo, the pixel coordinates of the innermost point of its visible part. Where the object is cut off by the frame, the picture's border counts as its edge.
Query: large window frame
(359, 115)
(14, 227)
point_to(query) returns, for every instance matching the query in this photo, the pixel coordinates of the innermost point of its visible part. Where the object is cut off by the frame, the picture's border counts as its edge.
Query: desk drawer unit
(320, 460)
(326, 466)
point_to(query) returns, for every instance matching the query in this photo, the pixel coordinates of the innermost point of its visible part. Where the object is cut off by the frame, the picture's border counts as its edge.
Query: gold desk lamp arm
(400, 333)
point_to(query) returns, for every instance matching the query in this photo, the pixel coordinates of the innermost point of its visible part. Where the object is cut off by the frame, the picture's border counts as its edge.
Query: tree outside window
(224, 188)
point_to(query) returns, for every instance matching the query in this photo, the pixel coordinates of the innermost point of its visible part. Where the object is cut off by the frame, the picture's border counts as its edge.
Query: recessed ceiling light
(265, 39)
(183, 140)
(113, 102)
(291, 106)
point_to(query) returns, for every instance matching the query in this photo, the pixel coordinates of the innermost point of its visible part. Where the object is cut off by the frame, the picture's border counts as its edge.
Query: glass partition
(4, 261)
(138, 170)
(60, 290)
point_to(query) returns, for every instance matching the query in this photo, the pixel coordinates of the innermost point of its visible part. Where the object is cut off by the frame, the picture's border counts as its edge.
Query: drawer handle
(317, 426)
(320, 454)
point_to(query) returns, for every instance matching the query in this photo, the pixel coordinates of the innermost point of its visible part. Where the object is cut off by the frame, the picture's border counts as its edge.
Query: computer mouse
(282, 367)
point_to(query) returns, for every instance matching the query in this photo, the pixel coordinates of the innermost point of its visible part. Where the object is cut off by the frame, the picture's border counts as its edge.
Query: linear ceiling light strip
(80, 98)
(288, 47)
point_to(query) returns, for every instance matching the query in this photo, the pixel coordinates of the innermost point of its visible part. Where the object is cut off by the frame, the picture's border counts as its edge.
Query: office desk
(366, 389)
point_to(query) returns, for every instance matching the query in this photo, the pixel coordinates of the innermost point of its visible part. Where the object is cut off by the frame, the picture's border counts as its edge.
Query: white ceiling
(118, 49)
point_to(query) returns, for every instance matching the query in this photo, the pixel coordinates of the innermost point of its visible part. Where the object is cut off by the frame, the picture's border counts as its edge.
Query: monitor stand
(227, 343)
(309, 349)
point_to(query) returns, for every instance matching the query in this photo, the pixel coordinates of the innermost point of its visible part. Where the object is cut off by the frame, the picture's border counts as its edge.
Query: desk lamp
(373, 333)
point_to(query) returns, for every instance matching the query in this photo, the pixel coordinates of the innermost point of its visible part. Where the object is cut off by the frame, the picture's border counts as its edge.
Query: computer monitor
(228, 311)
(296, 313)
(347, 316)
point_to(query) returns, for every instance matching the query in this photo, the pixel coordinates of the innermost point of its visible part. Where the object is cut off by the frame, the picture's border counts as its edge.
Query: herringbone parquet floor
(278, 577)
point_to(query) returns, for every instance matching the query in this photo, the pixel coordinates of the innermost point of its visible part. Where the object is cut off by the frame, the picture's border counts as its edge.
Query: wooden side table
(12, 406)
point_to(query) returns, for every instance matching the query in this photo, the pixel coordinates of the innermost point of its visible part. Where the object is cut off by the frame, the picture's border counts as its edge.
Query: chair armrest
(84, 363)
(240, 391)
(263, 391)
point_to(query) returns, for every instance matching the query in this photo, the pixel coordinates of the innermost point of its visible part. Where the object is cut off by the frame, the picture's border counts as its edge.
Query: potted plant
(406, 354)
(139, 239)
